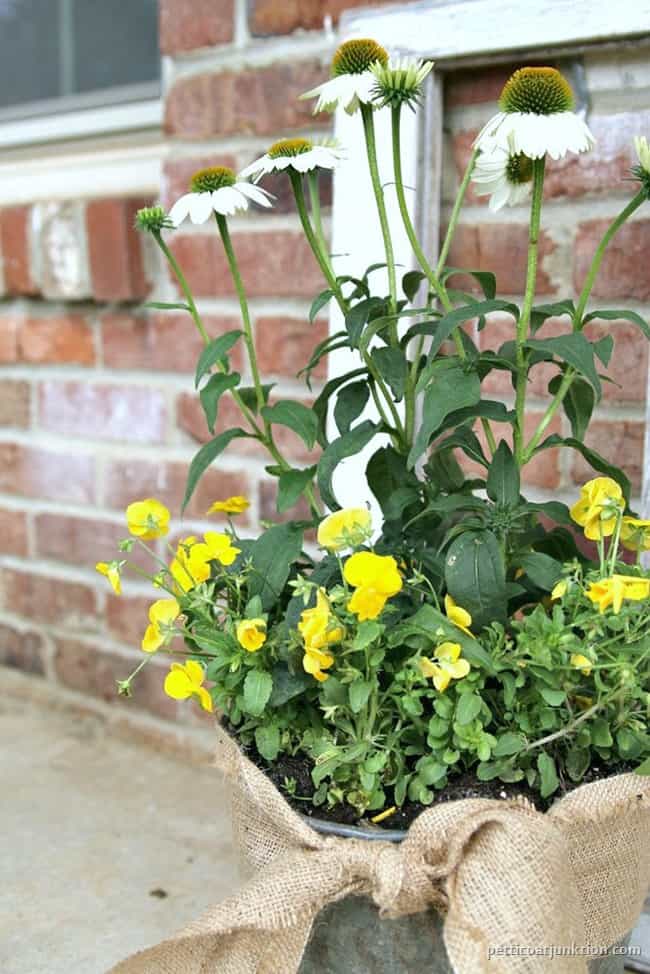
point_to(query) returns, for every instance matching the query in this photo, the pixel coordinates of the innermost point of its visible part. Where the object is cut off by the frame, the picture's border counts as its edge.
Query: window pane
(55, 48)
(29, 51)
(116, 43)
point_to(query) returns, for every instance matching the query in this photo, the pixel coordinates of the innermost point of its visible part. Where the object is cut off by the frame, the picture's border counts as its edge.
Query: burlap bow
(501, 873)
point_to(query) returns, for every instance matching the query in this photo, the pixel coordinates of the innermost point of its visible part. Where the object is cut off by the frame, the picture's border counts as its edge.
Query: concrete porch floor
(107, 845)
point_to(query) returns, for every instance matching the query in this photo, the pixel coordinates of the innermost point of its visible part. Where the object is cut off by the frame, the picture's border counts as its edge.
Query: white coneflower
(215, 190)
(352, 81)
(537, 117)
(299, 154)
(503, 175)
(400, 81)
(642, 171)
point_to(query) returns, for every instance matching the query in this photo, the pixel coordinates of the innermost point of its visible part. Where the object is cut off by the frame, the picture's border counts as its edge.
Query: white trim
(82, 123)
(475, 28)
(107, 171)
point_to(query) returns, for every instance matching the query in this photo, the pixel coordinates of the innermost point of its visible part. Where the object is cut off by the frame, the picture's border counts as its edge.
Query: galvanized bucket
(349, 937)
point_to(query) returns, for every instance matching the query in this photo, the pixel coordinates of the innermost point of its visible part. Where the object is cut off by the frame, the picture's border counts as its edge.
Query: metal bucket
(349, 937)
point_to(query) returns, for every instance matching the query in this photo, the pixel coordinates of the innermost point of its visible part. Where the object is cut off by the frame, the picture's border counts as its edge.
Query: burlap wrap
(500, 873)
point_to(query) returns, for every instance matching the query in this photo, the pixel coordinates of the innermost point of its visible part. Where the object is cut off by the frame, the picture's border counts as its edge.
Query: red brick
(273, 264)
(115, 251)
(286, 344)
(9, 327)
(84, 541)
(51, 600)
(178, 172)
(14, 241)
(271, 17)
(253, 101)
(619, 441)
(476, 86)
(628, 367)
(129, 480)
(15, 407)
(44, 474)
(50, 341)
(126, 618)
(120, 413)
(188, 24)
(501, 248)
(624, 270)
(268, 505)
(92, 670)
(13, 531)
(22, 650)
(165, 342)
(542, 471)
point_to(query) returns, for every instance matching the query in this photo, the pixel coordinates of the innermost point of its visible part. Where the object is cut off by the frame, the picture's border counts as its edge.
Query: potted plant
(458, 671)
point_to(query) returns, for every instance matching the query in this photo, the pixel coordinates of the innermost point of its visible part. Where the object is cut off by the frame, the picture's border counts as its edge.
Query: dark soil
(465, 785)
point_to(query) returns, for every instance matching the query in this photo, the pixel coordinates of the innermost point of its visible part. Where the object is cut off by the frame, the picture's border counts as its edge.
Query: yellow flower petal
(111, 571)
(164, 611)
(204, 698)
(559, 589)
(251, 634)
(147, 519)
(177, 685)
(232, 505)
(449, 652)
(582, 663)
(441, 680)
(459, 616)
(378, 572)
(152, 639)
(345, 529)
(367, 603)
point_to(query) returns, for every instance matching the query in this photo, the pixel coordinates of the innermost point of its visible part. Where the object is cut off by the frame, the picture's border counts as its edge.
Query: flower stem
(455, 213)
(173, 263)
(547, 418)
(314, 201)
(613, 552)
(613, 228)
(529, 296)
(371, 148)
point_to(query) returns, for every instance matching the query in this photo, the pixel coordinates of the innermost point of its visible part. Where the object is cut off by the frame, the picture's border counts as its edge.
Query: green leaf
(623, 314)
(411, 283)
(603, 349)
(554, 698)
(215, 352)
(577, 762)
(272, 556)
(167, 306)
(541, 312)
(297, 417)
(386, 475)
(503, 480)
(206, 455)
(428, 626)
(468, 708)
(448, 324)
(257, 690)
(578, 403)
(359, 315)
(359, 691)
(248, 395)
(367, 632)
(350, 403)
(451, 387)
(291, 484)
(486, 279)
(321, 403)
(601, 735)
(541, 569)
(574, 349)
(319, 302)
(267, 741)
(346, 446)
(548, 775)
(468, 442)
(644, 768)
(287, 685)
(212, 392)
(393, 367)
(475, 576)
(508, 744)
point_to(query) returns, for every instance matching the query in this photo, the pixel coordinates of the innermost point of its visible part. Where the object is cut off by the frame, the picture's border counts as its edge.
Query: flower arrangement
(465, 632)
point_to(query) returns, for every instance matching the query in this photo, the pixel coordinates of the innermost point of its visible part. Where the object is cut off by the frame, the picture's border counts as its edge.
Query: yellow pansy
(559, 589)
(185, 680)
(147, 519)
(345, 529)
(635, 534)
(601, 501)
(315, 662)
(231, 505)
(185, 577)
(162, 615)
(215, 547)
(612, 591)
(582, 663)
(445, 666)
(376, 580)
(251, 634)
(460, 617)
(111, 569)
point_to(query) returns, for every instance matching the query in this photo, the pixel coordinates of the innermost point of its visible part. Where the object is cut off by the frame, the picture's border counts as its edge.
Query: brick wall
(97, 405)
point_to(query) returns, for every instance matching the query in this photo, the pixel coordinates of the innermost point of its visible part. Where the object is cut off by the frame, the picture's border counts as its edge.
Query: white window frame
(454, 33)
